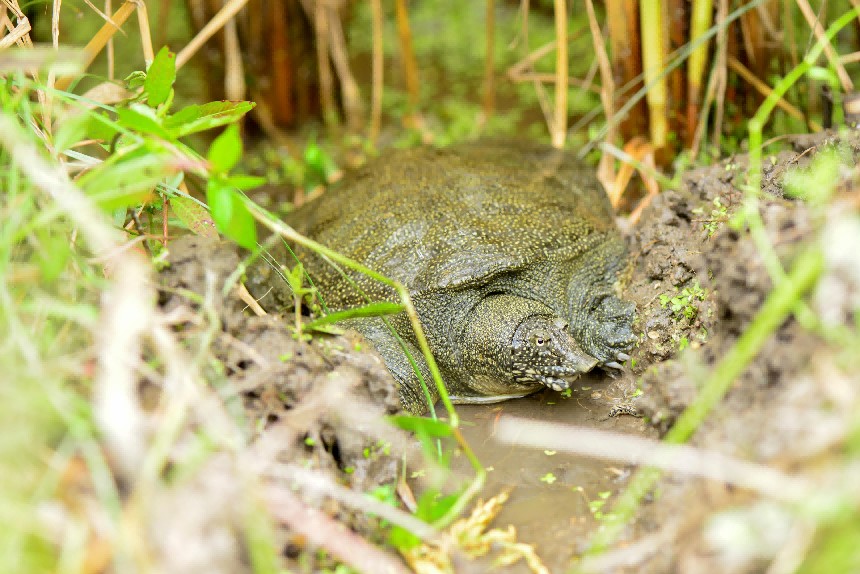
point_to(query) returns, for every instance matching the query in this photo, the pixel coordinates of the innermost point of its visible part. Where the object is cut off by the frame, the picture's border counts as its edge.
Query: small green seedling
(296, 280)
(682, 304)
(719, 215)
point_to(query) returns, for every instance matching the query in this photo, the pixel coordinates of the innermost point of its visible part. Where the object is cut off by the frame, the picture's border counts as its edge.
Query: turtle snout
(545, 352)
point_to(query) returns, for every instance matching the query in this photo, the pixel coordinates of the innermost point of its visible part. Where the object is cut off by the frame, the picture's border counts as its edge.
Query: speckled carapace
(510, 253)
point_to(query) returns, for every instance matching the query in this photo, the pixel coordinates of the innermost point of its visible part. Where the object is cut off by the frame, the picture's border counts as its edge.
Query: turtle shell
(467, 217)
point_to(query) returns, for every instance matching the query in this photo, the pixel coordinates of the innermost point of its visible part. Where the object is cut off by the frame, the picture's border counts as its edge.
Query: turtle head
(543, 351)
(512, 346)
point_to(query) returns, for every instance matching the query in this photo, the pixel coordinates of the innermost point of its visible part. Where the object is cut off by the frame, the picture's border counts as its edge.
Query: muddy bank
(783, 410)
(697, 283)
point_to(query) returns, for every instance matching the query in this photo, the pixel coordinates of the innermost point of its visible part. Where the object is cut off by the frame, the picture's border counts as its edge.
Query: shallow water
(554, 517)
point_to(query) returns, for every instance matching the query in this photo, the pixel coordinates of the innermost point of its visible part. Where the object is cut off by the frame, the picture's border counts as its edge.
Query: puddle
(554, 517)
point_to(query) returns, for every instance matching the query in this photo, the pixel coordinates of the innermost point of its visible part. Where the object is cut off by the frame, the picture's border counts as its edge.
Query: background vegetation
(111, 142)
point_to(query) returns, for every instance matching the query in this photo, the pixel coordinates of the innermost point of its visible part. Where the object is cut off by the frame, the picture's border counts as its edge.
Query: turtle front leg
(412, 397)
(600, 320)
(611, 334)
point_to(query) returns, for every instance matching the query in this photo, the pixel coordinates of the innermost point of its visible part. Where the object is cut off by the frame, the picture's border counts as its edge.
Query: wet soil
(316, 400)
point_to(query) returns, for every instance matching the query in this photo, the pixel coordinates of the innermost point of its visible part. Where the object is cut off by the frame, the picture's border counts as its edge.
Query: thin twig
(630, 449)
(110, 48)
(766, 90)
(722, 73)
(234, 70)
(318, 483)
(351, 96)
(145, 35)
(407, 60)
(230, 9)
(559, 124)
(322, 531)
(489, 103)
(320, 19)
(98, 42)
(377, 71)
(605, 171)
(832, 56)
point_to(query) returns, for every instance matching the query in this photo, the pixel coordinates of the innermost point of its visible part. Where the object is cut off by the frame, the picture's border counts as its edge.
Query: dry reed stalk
(110, 53)
(606, 169)
(230, 9)
(489, 103)
(55, 24)
(587, 84)
(98, 42)
(352, 103)
(790, 36)
(145, 34)
(16, 34)
(234, 71)
(522, 71)
(722, 74)
(682, 458)
(638, 155)
(320, 19)
(322, 531)
(45, 97)
(766, 90)
(753, 42)
(676, 16)
(407, 60)
(653, 64)
(282, 72)
(623, 21)
(832, 56)
(701, 17)
(528, 60)
(377, 72)
(559, 124)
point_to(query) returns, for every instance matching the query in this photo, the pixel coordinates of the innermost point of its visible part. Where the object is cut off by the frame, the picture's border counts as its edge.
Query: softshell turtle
(510, 254)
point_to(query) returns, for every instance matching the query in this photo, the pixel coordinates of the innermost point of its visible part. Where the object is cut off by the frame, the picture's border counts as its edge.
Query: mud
(307, 403)
(684, 249)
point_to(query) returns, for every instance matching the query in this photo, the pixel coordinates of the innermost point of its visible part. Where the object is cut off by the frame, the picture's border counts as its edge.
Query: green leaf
(372, 310)
(135, 80)
(230, 213)
(319, 162)
(71, 130)
(126, 182)
(296, 278)
(195, 217)
(142, 119)
(246, 182)
(101, 127)
(198, 118)
(401, 538)
(432, 507)
(422, 425)
(325, 329)
(160, 77)
(226, 151)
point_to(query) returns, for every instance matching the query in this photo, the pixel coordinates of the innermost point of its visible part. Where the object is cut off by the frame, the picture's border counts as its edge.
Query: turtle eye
(540, 339)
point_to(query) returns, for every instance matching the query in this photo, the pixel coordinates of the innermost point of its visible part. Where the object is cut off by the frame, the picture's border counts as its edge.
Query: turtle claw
(557, 384)
(613, 365)
(622, 356)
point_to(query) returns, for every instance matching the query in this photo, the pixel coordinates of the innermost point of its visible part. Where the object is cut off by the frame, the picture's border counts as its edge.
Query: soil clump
(697, 281)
